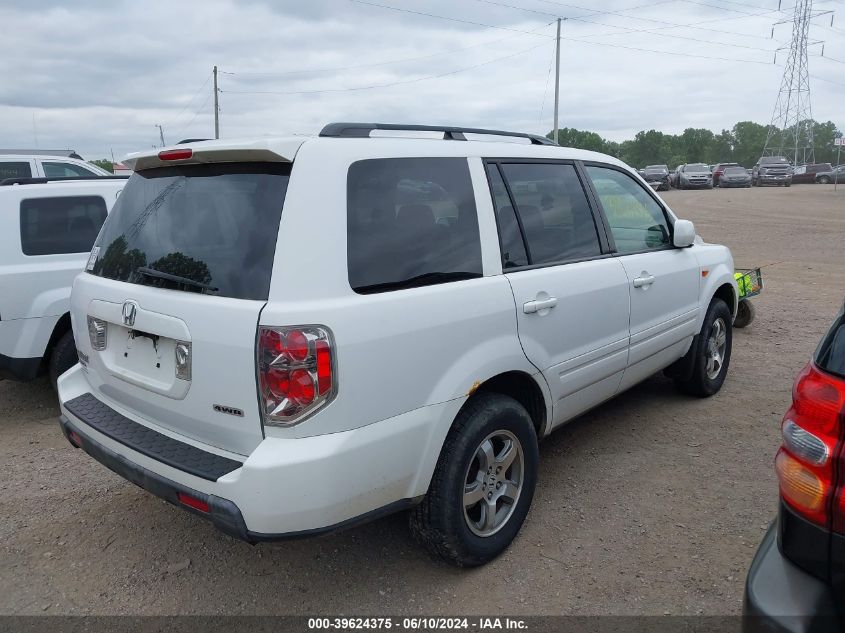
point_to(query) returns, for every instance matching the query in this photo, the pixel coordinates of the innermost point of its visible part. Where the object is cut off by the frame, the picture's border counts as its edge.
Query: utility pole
(216, 108)
(557, 81)
(161, 134)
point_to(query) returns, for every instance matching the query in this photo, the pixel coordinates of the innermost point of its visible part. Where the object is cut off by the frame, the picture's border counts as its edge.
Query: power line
(442, 17)
(628, 30)
(669, 25)
(385, 85)
(196, 114)
(382, 63)
(173, 120)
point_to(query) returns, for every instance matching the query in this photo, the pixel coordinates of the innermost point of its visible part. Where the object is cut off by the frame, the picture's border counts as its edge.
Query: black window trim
(666, 215)
(605, 245)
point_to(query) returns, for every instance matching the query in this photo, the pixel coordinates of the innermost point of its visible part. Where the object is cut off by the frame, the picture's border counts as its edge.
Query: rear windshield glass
(197, 228)
(831, 353)
(14, 170)
(697, 167)
(735, 170)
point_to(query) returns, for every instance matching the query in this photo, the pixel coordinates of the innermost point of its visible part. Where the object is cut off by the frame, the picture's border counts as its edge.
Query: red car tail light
(296, 372)
(812, 435)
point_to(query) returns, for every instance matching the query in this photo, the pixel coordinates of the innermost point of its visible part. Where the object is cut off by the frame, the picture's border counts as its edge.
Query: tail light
(296, 372)
(176, 154)
(812, 438)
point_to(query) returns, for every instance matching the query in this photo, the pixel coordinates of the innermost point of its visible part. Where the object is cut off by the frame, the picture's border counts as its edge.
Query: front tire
(824, 180)
(483, 483)
(711, 351)
(63, 357)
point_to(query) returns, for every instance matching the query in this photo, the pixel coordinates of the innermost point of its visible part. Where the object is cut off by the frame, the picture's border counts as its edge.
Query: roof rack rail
(362, 130)
(192, 140)
(41, 181)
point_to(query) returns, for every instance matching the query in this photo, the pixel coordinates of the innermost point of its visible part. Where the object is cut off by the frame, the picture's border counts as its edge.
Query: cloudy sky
(98, 76)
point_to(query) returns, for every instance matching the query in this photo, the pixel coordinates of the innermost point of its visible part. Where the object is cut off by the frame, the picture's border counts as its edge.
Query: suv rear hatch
(167, 313)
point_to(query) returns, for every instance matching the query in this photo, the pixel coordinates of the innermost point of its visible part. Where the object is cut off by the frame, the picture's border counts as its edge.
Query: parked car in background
(772, 170)
(218, 373)
(719, 169)
(694, 176)
(46, 234)
(46, 166)
(836, 174)
(657, 176)
(735, 177)
(797, 579)
(808, 174)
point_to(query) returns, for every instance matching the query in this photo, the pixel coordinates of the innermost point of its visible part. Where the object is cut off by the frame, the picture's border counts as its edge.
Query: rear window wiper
(426, 279)
(177, 279)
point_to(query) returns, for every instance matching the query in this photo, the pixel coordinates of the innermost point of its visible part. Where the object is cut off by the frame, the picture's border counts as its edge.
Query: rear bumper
(22, 369)
(287, 487)
(780, 597)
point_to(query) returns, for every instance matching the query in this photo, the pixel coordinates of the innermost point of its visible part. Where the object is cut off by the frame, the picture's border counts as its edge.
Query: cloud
(98, 77)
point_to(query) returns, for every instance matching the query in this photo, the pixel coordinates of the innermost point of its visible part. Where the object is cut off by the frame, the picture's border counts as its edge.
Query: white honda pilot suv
(289, 336)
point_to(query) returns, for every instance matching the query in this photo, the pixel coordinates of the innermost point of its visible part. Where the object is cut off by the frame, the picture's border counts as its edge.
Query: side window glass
(51, 226)
(411, 222)
(636, 220)
(64, 170)
(554, 211)
(15, 169)
(513, 248)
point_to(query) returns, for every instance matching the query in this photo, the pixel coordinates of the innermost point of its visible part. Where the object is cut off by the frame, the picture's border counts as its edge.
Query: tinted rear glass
(411, 222)
(831, 353)
(211, 225)
(15, 170)
(52, 226)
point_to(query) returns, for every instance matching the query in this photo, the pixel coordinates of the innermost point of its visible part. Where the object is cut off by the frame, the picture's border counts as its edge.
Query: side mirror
(684, 233)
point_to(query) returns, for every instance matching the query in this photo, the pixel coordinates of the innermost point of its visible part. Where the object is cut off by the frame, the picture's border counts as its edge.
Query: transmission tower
(791, 130)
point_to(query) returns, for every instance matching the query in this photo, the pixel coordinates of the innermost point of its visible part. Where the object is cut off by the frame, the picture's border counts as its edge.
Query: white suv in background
(46, 234)
(46, 166)
(289, 336)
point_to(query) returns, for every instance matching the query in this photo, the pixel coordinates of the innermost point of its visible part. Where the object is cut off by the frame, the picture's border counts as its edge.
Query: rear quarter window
(52, 226)
(830, 355)
(410, 222)
(15, 169)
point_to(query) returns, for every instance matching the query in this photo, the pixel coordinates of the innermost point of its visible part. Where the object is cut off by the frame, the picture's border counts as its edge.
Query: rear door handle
(643, 281)
(539, 304)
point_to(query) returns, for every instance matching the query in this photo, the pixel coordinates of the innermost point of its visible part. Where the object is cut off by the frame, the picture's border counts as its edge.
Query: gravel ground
(652, 504)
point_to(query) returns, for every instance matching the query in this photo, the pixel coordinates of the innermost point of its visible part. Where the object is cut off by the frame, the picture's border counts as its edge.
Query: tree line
(742, 144)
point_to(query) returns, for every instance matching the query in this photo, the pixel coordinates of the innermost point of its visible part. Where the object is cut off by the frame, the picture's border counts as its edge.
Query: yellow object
(744, 284)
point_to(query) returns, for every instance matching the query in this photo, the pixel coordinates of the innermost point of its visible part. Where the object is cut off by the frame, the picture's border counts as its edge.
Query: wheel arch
(726, 293)
(523, 388)
(62, 327)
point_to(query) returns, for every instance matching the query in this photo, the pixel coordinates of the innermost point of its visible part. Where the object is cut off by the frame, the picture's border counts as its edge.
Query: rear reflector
(175, 154)
(75, 439)
(193, 502)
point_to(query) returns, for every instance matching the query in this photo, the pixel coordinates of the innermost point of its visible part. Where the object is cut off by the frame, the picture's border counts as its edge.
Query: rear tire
(824, 180)
(711, 351)
(63, 357)
(490, 453)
